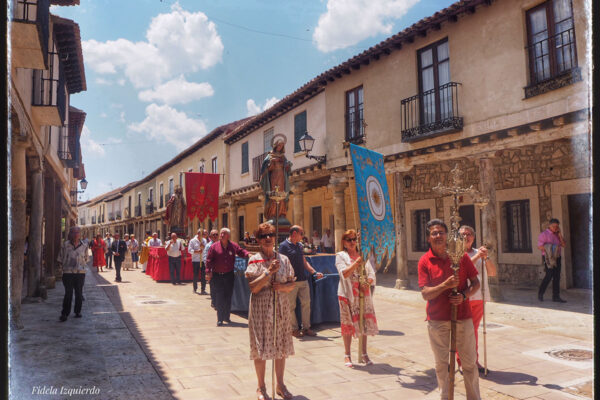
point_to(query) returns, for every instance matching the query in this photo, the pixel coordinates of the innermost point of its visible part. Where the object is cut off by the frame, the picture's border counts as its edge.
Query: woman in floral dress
(268, 272)
(347, 262)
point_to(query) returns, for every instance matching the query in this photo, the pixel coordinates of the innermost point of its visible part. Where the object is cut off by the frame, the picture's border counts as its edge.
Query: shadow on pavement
(510, 378)
(387, 332)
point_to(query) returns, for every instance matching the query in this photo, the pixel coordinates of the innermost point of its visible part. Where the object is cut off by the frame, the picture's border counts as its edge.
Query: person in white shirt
(214, 236)
(108, 255)
(316, 241)
(195, 248)
(327, 241)
(155, 241)
(133, 248)
(174, 247)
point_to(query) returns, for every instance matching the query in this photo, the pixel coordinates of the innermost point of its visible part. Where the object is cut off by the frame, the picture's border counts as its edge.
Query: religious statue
(175, 217)
(275, 175)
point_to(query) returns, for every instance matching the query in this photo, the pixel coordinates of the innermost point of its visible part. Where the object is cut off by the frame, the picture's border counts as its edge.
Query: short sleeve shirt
(295, 252)
(433, 271)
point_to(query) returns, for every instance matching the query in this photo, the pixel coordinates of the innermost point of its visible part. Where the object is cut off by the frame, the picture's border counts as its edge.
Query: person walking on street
(145, 251)
(436, 281)
(119, 248)
(220, 262)
(476, 300)
(127, 261)
(174, 247)
(213, 237)
(108, 240)
(327, 242)
(133, 249)
(293, 249)
(98, 247)
(73, 258)
(195, 248)
(550, 242)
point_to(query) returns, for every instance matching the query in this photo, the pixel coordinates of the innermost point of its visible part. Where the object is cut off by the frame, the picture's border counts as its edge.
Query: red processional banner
(202, 195)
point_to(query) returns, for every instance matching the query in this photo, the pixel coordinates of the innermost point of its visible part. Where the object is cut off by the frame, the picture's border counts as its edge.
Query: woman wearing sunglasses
(347, 262)
(268, 272)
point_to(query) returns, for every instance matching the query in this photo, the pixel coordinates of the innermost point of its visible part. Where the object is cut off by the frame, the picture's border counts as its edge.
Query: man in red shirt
(436, 280)
(219, 271)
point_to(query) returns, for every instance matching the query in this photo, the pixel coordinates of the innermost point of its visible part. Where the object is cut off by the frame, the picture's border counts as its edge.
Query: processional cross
(456, 250)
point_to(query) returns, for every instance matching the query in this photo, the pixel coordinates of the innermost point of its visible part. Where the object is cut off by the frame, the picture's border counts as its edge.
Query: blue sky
(162, 74)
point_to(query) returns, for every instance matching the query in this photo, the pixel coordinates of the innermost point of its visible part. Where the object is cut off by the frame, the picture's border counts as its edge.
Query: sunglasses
(266, 235)
(350, 239)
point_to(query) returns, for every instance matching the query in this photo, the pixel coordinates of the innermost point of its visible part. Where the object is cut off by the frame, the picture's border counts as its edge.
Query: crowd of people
(278, 278)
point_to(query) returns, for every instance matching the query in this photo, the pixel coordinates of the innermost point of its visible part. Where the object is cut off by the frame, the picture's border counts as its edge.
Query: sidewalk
(146, 340)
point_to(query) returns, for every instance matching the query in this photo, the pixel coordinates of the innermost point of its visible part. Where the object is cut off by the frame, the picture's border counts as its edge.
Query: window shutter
(299, 130)
(245, 163)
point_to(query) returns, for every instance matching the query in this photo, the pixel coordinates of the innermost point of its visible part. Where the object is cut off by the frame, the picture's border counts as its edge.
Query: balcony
(81, 221)
(49, 99)
(256, 164)
(111, 216)
(30, 33)
(118, 215)
(126, 213)
(93, 220)
(552, 63)
(355, 127)
(431, 113)
(101, 219)
(138, 211)
(69, 147)
(149, 208)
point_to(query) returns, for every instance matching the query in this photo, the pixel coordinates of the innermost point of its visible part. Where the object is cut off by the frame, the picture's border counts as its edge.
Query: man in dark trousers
(119, 248)
(219, 270)
(108, 241)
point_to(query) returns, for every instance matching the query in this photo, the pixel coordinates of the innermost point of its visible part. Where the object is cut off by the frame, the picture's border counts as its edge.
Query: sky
(161, 74)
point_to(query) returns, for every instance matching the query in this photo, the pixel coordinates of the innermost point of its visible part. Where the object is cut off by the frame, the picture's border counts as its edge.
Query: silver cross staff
(456, 250)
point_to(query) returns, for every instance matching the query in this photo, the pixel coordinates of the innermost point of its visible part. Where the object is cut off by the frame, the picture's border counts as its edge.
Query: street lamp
(306, 144)
(407, 181)
(83, 183)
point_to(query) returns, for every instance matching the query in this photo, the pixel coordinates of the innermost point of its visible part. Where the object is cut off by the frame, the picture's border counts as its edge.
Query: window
(245, 162)
(434, 76)
(139, 199)
(419, 223)
(201, 167)
(241, 228)
(181, 179)
(225, 220)
(355, 128)
(299, 130)
(162, 194)
(267, 139)
(214, 165)
(171, 187)
(551, 40)
(151, 194)
(516, 226)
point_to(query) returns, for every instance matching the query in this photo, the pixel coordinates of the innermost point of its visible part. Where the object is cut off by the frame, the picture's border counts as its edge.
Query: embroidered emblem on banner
(377, 232)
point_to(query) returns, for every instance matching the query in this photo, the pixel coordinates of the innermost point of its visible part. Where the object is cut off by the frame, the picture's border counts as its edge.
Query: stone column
(402, 281)
(233, 221)
(49, 233)
(338, 184)
(58, 234)
(34, 270)
(298, 202)
(489, 225)
(18, 193)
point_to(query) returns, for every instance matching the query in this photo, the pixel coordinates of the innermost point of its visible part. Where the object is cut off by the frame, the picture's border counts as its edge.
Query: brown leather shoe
(309, 332)
(297, 333)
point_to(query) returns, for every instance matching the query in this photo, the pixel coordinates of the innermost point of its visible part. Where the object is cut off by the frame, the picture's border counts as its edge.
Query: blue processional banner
(377, 232)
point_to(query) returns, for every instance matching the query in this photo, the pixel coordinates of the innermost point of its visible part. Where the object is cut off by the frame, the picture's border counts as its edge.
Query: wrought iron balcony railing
(256, 164)
(355, 126)
(138, 211)
(35, 12)
(111, 216)
(149, 208)
(431, 113)
(81, 221)
(49, 88)
(118, 215)
(93, 220)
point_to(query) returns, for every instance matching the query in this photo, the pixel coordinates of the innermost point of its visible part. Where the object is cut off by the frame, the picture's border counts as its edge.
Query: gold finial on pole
(456, 250)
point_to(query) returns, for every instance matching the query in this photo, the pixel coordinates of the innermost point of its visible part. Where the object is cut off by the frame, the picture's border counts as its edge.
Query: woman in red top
(98, 252)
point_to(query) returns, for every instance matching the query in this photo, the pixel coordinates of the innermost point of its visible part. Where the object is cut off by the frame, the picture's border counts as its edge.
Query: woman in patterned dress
(98, 253)
(127, 262)
(347, 262)
(268, 272)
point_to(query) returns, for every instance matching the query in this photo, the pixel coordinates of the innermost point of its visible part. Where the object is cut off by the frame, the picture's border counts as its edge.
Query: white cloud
(176, 43)
(165, 124)
(347, 22)
(89, 147)
(254, 108)
(122, 116)
(177, 91)
(103, 115)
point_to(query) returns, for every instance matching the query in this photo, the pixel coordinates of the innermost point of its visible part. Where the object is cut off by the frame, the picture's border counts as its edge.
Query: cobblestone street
(145, 340)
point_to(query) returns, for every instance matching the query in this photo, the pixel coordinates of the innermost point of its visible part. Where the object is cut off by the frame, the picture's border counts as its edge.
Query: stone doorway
(579, 221)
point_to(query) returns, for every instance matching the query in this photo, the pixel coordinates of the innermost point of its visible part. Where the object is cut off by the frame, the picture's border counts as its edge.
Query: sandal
(349, 362)
(367, 360)
(261, 394)
(284, 393)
